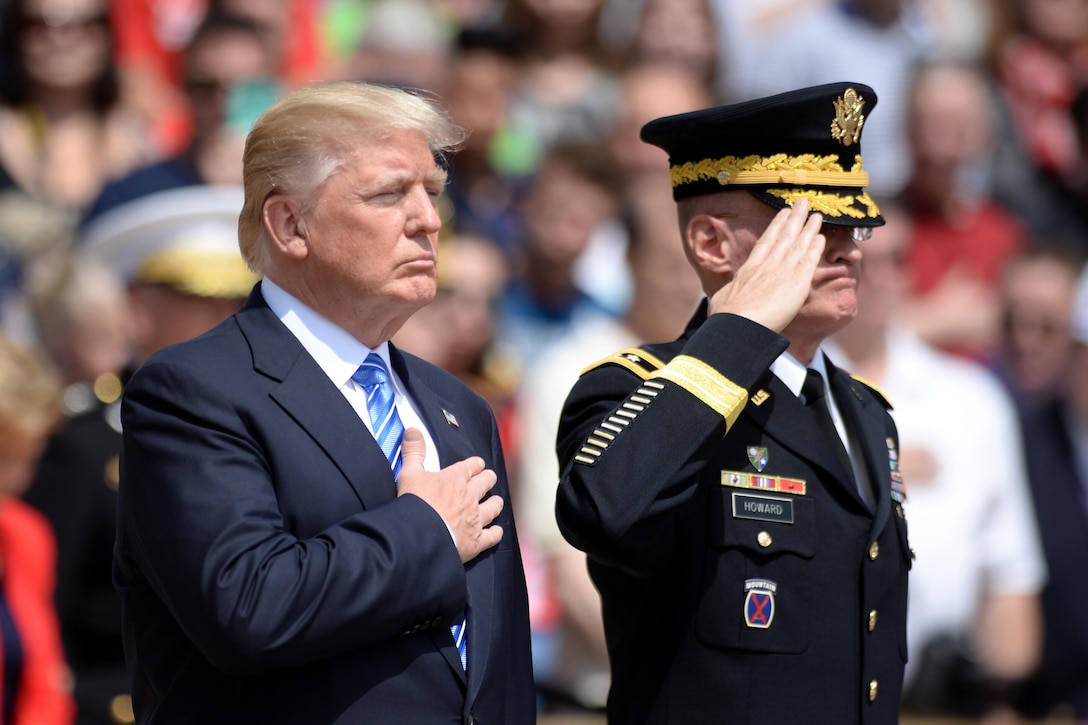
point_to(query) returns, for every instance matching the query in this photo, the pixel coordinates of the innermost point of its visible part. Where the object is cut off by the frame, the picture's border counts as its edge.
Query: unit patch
(759, 603)
(758, 457)
(762, 508)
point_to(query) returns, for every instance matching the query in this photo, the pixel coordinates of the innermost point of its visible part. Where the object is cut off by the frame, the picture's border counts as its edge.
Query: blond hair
(305, 137)
(30, 390)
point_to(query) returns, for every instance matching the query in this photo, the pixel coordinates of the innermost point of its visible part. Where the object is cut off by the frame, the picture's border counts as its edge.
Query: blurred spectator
(1056, 442)
(229, 80)
(973, 624)
(876, 42)
(177, 253)
(470, 13)
(489, 175)
(152, 37)
(574, 193)
(81, 318)
(648, 90)
(1036, 300)
(962, 238)
(64, 131)
(570, 655)
(36, 680)
(1041, 62)
(953, 29)
(457, 330)
(566, 89)
(404, 43)
(680, 33)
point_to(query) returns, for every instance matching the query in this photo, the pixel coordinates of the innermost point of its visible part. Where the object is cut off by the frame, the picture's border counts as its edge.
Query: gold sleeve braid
(707, 384)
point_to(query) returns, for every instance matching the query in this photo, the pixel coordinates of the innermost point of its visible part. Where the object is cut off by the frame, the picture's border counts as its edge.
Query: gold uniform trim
(755, 170)
(638, 361)
(599, 441)
(707, 384)
(876, 389)
(830, 204)
(199, 272)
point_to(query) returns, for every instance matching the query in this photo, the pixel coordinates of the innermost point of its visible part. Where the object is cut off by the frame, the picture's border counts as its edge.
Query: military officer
(176, 251)
(738, 496)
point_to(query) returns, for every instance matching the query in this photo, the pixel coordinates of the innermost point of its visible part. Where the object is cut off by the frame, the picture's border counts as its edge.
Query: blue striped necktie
(373, 377)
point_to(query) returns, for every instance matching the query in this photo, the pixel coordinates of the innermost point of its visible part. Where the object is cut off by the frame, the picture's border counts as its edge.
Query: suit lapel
(453, 441)
(310, 398)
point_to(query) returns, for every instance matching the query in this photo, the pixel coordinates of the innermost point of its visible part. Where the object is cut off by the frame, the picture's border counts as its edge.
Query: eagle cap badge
(846, 126)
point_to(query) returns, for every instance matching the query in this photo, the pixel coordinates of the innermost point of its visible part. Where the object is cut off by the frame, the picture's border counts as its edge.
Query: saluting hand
(773, 283)
(456, 493)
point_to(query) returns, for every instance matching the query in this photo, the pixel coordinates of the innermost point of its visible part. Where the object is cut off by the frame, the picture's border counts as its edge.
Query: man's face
(373, 231)
(163, 316)
(832, 300)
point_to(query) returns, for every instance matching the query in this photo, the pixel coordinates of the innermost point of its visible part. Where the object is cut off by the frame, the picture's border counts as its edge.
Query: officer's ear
(286, 226)
(709, 240)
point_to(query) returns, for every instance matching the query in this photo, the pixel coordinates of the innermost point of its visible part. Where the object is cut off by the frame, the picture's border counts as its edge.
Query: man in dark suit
(1056, 449)
(312, 525)
(748, 572)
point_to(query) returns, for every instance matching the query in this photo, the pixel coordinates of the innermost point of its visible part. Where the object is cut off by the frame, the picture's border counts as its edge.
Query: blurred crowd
(561, 246)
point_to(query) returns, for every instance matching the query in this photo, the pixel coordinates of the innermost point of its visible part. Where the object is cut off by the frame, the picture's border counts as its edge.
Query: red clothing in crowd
(28, 557)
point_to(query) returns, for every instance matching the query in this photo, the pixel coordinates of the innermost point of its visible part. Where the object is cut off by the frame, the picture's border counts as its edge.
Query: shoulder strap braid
(635, 359)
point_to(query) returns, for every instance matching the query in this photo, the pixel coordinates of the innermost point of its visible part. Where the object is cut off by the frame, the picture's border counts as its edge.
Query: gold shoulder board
(880, 394)
(637, 360)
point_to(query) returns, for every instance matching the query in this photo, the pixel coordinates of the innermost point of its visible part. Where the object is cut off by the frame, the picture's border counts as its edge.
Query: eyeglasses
(858, 234)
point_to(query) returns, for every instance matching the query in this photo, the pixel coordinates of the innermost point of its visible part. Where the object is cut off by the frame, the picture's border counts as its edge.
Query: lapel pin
(451, 418)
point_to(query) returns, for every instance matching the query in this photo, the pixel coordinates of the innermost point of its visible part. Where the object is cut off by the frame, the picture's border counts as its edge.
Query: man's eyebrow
(439, 177)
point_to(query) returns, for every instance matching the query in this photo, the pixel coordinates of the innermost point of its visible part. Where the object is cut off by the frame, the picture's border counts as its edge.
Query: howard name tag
(762, 508)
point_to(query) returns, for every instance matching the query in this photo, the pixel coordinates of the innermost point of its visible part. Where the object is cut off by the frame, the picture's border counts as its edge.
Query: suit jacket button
(874, 550)
(872, 620)
(873, 687)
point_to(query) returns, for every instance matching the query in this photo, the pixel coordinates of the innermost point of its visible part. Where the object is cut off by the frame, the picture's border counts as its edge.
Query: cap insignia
(846, 127)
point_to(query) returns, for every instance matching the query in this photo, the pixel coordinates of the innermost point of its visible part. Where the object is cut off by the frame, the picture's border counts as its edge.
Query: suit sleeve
(632, 450)
(200, 521)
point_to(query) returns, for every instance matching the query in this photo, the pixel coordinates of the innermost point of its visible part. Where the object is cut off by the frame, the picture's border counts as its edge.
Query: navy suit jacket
(268, 570)
(1058, 497)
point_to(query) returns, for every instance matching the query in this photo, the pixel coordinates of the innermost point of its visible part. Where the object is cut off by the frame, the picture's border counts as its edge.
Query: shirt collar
(792, 373)
(336, 352)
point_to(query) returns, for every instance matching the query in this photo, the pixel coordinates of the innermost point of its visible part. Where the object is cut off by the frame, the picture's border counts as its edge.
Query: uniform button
(121, 710)
(874, 550)
(873, 687)
(872, 620)
(764, 539)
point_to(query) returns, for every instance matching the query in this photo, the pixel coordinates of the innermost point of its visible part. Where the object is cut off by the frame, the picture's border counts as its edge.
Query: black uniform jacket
(743, 578)
(268, 570)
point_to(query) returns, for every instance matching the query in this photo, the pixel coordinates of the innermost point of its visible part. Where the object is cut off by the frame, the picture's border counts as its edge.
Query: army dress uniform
(744, 577)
